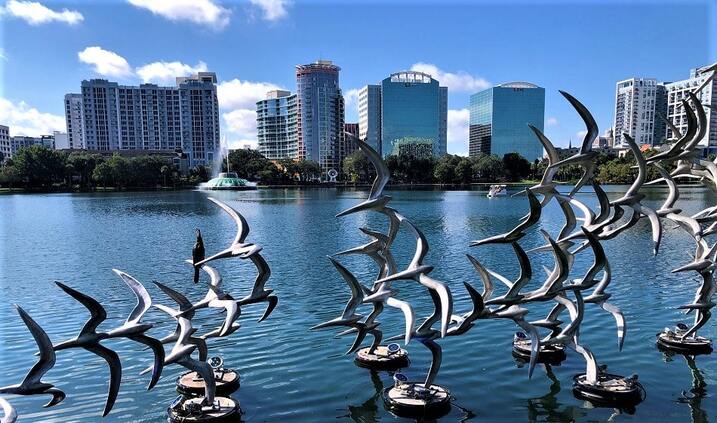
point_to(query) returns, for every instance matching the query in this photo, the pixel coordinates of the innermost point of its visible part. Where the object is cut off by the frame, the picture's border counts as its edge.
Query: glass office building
(499, 118)
(413, 107)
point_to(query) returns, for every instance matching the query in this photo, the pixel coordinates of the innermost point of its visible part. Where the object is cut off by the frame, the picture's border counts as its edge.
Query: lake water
(291, 374)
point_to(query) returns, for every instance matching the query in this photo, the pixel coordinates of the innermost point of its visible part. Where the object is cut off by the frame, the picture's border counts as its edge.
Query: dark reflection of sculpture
(367, 412)
(697, 393)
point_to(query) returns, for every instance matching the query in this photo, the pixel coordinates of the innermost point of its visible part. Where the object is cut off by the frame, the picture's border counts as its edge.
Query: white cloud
(238, 98)
(165, 72)
(240, 127)
(461, 81)
(458, 131)
(351, 99)
(551, 121)
(237, 94)
(273, 10)
(203, 12)
(25, 120)
(36, 13)
(579, 138)
(105, 62)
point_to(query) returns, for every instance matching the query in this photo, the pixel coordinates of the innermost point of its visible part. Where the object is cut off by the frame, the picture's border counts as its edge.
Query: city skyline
(547, 45)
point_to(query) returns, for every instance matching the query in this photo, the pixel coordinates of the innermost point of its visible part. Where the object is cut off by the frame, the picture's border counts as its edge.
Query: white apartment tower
(369, 111)
(635, 110)
(73, 117)
(676, 91)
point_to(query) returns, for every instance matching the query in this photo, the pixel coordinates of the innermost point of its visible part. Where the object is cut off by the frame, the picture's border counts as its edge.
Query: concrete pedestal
(382, 359)
(224, 410)
(411, 399)
(191, 384)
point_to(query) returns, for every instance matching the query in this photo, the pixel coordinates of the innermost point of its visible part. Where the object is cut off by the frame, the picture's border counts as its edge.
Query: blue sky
(581, 47)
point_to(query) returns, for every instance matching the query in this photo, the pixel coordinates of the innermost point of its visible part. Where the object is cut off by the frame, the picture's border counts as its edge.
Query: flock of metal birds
(184, 339)
(611, 220)
(572, 295)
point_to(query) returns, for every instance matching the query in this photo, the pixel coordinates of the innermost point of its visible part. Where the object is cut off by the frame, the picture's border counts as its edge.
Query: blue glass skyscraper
(499, 118)
(406, 113)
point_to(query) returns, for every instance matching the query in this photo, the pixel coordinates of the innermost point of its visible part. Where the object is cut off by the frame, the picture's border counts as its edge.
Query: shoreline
(476, 186)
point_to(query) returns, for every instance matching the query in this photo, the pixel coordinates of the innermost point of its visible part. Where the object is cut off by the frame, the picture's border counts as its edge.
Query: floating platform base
(192, 385)
(190, 410)
(411, 399)
(610, 390)
(549, 354)
(670, 341)
(382, 358)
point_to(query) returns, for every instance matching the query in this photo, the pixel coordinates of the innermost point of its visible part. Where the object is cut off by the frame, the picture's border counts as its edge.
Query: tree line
(40, 168)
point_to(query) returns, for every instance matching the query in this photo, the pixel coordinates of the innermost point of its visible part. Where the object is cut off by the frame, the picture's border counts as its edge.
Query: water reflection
(693, 399)
(367, 412)
(547, 407)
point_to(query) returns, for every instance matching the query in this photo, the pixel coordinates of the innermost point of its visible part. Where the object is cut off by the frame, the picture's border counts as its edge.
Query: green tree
(488, 168)
(357, 167)
(308, 170)
(516, 167)
(39, 166)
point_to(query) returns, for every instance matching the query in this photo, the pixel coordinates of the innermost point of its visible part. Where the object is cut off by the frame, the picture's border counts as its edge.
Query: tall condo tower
(276, 125)
(635, 110)
(320, 107)
(150, 117)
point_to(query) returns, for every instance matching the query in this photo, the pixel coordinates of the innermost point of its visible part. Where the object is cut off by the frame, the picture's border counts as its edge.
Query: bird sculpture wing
(9, 411)
(409, 316)
(115, 367)
(242, 225)
(444, 297)
(587, 117)
(382, 173)
(97, 312)
(144, 301)
(484, 275)
(354, 286)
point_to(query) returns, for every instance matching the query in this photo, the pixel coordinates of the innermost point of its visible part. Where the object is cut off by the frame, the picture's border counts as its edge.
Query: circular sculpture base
(381, 358)
(610, 390)
(192, 385)
(671, 341)
(549, 354)
(190, 410)
(411, 399)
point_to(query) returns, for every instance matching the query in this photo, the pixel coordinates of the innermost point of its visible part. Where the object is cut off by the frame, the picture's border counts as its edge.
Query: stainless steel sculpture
(595, 383)
(183, 337)
(10, 415)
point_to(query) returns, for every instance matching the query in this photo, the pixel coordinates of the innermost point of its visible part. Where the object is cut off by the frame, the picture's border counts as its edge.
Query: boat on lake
(497, 191)
(229, 181)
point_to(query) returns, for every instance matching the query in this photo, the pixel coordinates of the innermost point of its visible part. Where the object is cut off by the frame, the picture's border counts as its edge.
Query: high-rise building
(321, 114)
(61, 140)
(276, 125)
(499, 118)
(369, 111)
(352, 128)
(660, 133)
(676, 91)
(635, 100)
(408, 107)
(149, 117)
(5, 148)
(73, 118)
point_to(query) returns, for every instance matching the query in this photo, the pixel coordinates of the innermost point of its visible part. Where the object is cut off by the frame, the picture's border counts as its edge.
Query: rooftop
(518, 84)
